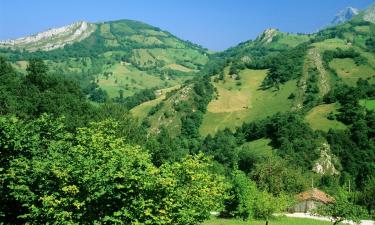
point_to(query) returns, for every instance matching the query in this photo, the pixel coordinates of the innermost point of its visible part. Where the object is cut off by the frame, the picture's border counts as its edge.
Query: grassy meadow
(317, 118)
(236, 104)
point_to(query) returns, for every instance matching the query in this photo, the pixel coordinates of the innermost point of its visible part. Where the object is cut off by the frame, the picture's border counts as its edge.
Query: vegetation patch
(369, 104)
(246, 102)
(322, 117)
(350, 72)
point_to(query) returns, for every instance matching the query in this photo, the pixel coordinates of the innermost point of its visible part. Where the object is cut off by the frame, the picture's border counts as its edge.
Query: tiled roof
(315, 194)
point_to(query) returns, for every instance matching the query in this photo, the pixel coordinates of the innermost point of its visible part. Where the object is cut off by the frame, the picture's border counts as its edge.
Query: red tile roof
(316, 195)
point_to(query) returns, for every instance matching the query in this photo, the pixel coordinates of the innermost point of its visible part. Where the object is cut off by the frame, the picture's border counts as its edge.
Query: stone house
(309, 200)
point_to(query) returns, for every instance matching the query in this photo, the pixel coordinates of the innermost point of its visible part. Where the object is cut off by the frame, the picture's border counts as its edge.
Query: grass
(141, 111)
(178, 67)
(317, 118)
(130, 80)
(170, 57)
(291, 40)
(331, 44)
(247, 102)
(259, 148)
(369, 104)
(349, 72)
(167, 116)
(20, 66)
(276, 221)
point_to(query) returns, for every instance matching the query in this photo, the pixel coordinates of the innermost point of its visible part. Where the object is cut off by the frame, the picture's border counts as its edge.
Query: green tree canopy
(93, 176)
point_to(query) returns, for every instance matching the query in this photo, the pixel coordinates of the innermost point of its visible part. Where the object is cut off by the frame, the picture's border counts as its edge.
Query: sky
(214, 24)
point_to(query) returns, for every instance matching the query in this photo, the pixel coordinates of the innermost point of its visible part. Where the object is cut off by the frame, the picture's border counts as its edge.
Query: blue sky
(214, 24)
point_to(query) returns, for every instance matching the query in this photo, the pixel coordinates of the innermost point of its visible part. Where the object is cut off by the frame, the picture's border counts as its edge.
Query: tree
(368, 196)
(221, 75)
(341, 209)
(223, 148)
(233, 70)
(94, 176)
(276, 176)
(36, 73)
(265, 205)
(246, 201)
(242, 197)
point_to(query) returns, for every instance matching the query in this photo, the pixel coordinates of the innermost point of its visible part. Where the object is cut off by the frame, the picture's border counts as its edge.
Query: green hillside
(123, 55)
(332, 57)
(253, 80)
(244, 100)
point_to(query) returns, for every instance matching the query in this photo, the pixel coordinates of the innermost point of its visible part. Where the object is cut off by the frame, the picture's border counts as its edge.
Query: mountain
(369, 14)
(276, 72)
(118, 56)
(344, 15)
(52, 38)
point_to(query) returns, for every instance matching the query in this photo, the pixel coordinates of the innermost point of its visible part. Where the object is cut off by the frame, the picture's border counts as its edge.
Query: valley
(122, 122)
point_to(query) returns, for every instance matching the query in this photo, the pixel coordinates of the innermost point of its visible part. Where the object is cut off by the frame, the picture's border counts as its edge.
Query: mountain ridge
(344, 15)
(54, 38)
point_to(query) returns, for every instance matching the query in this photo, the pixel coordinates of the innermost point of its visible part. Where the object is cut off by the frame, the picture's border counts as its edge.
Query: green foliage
(339, 53)
(137, 99)
(242, 197)
(95, 177)
(370, 44)
(223, 148)
(342, 209)
(312, 89)
(355, 146)
(266, 205)
(247, 202)
(95, 93)
(276, 176)
(37, 71)
(367, 198)
(282, 220)
(286, 66)
(39, 92)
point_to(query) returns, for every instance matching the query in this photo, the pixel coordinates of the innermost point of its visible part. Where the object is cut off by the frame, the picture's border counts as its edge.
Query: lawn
(247, 102)
(317, 118)
(276, 221)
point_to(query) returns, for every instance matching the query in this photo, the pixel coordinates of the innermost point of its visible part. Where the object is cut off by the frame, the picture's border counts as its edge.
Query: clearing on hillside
(141, 111)
(246, 102)
(317, 118)
(130, 80)
(350, 72)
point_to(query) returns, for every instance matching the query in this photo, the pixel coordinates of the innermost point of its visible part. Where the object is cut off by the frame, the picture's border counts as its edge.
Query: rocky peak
(369, 14)
(344, 15)
(267, 35)
(52, 38)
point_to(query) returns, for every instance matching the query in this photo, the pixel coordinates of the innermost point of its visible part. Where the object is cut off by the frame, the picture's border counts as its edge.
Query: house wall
(305, 206)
